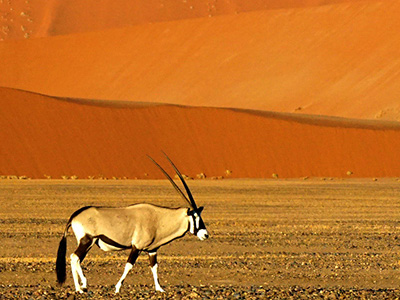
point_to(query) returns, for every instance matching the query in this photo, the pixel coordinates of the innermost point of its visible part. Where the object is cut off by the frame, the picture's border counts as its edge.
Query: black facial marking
(201, 224)
(193, 214)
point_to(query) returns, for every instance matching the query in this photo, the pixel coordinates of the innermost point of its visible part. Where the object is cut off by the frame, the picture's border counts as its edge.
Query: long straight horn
(172, 182)
(192, 202)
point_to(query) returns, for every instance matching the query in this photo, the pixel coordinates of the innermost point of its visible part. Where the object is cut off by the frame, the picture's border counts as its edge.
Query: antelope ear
(200, 209)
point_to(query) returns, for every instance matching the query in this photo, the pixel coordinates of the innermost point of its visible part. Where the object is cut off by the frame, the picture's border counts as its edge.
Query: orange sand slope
(340, 59)
(40, 18)
(43, 135)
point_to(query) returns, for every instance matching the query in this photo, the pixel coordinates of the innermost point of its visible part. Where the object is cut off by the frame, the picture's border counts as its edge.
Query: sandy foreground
(269, 238)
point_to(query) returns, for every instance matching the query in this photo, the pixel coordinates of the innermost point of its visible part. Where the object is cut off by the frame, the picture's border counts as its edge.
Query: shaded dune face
(44, 135)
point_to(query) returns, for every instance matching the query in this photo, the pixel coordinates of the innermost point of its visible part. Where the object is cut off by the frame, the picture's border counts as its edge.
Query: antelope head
(196, 223)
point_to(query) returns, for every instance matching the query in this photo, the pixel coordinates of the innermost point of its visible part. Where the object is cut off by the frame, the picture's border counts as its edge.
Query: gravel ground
(268, 240)
(191, 292)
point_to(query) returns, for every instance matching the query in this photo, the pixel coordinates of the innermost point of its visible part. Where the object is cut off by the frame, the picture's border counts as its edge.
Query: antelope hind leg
(76, 258)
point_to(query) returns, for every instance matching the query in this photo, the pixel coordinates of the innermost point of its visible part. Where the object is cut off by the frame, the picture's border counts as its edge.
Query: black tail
(61, 264)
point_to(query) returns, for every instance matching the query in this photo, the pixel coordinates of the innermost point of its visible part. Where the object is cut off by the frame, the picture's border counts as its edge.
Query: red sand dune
(44, 135)
(340, 59)
(320, 57)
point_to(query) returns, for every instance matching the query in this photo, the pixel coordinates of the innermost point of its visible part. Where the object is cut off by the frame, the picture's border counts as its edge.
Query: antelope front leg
(129, 265)
(154, 267)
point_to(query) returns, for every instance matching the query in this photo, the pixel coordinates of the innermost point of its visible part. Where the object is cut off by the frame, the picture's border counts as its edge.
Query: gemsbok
(139, 227)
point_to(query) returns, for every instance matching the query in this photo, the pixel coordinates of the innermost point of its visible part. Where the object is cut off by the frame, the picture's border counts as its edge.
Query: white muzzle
(202, 234)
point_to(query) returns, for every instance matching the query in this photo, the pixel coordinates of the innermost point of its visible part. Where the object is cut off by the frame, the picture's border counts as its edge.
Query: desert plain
(285, 114)
(269, 239)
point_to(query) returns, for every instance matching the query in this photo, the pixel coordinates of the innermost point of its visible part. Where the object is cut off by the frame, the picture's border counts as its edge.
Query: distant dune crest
(44, 137)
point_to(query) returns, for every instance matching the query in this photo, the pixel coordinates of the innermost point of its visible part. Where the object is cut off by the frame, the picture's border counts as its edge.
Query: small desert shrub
(349, 173)
(275, 176)
(201, 176)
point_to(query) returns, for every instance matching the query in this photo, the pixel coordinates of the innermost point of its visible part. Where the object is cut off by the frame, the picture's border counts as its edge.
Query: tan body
(144, 226)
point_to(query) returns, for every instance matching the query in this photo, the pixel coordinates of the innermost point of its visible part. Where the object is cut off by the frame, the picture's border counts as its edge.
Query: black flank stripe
(110, 242)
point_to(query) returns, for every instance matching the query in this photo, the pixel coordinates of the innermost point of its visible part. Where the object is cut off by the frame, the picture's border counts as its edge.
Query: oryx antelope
(139, 227)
